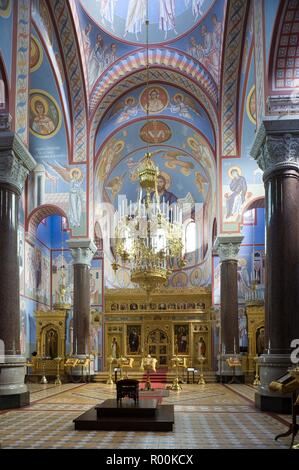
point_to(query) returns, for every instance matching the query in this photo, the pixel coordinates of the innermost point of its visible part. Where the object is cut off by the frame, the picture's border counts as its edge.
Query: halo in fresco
(168, 19)
(36, 54)
(45, 115)
(5, 8)
(196, 277)
(180, 279)
(157, 98)
(251, 105)
(234, 168)
(155, 132)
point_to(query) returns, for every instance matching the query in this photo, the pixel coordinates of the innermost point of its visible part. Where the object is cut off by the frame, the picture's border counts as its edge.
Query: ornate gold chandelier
(148, 234)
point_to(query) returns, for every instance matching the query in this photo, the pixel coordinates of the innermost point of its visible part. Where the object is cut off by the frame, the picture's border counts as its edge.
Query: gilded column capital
(15, 160)
(276, 145)
(82, 250)
(227, 246)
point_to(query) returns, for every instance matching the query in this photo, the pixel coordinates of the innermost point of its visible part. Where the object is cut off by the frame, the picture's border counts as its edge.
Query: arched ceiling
(168, 19)
(192, 47)
(182, 154)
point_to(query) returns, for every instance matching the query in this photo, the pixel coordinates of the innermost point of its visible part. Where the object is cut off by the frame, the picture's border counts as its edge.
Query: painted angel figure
(126, 109)
(196, 7)
(167, 16)
(115, 184)
(73, 176)
(106, 9)
(136, 17)
(183, 105)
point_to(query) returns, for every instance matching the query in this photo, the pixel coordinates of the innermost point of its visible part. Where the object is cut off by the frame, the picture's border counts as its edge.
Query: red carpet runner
(158, 379)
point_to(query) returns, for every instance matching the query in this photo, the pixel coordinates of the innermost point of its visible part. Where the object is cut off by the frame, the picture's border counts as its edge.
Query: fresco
(62, 186)
(62, 271)
(36, 54)
(21, 257)
(164, 101)
(41, 67)
(242, 178)
(45, 115)
(216, 280)
(243, 331)
(177, 171)
(37, 272)
(96, 282)
(204, 44)
(6, 28)
(28, 325)
(125, 19)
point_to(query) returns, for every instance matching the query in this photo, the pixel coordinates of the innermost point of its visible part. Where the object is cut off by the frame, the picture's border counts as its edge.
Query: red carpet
(158, 378)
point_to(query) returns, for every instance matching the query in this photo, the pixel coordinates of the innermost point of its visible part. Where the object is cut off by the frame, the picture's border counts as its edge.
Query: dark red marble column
(81, 308)
(82, 252)
(227, 247)
(229, 306)
(15, 164)
(276, 149)
(9, 272)
(282, 259)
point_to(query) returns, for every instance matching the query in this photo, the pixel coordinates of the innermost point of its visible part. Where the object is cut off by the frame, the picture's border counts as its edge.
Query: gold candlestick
(58, 380)
(256, 381)
(44, 378)
(201, 380)
(176, 383)
(110, 381)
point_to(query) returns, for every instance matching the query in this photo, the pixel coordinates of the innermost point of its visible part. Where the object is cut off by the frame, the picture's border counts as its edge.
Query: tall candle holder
(110, 360)
(44, 378)
(58, 380)
(201, 380)
(256, 381)
(176, 383)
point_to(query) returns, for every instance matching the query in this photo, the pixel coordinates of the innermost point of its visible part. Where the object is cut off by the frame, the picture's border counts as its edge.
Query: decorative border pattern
(75, 78)
(259, 60)
(232, 57)
(22, 70)
(171, 59)
(287, 59)
(159, 75)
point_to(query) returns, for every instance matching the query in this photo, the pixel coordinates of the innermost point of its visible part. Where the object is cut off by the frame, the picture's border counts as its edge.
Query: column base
(280, 404)
(13, 391)
(14, 401)
(271, 367)
(227, 379)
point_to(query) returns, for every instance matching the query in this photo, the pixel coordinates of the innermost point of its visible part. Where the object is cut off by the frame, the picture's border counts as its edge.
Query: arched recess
(169, 59)
(4, 94)
(283, 76)
(237, 13)
(257, 203)
(39, 214)
(64, 24)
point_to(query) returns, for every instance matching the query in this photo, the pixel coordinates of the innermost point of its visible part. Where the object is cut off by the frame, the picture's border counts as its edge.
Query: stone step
(102, 377)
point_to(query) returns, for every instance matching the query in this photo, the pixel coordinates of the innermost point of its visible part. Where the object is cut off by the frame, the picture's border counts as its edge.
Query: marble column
(227, 247)
(276, 149)
(82, 251)
(15, 164)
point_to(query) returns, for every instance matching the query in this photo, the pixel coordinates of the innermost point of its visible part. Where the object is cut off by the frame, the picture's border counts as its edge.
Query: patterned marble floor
(206, 417)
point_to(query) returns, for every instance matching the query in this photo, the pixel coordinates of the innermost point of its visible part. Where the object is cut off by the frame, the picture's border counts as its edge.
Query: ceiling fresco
(6, 28)
(184, 157)
(125, 19)
(163, 101)
(195, 53)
